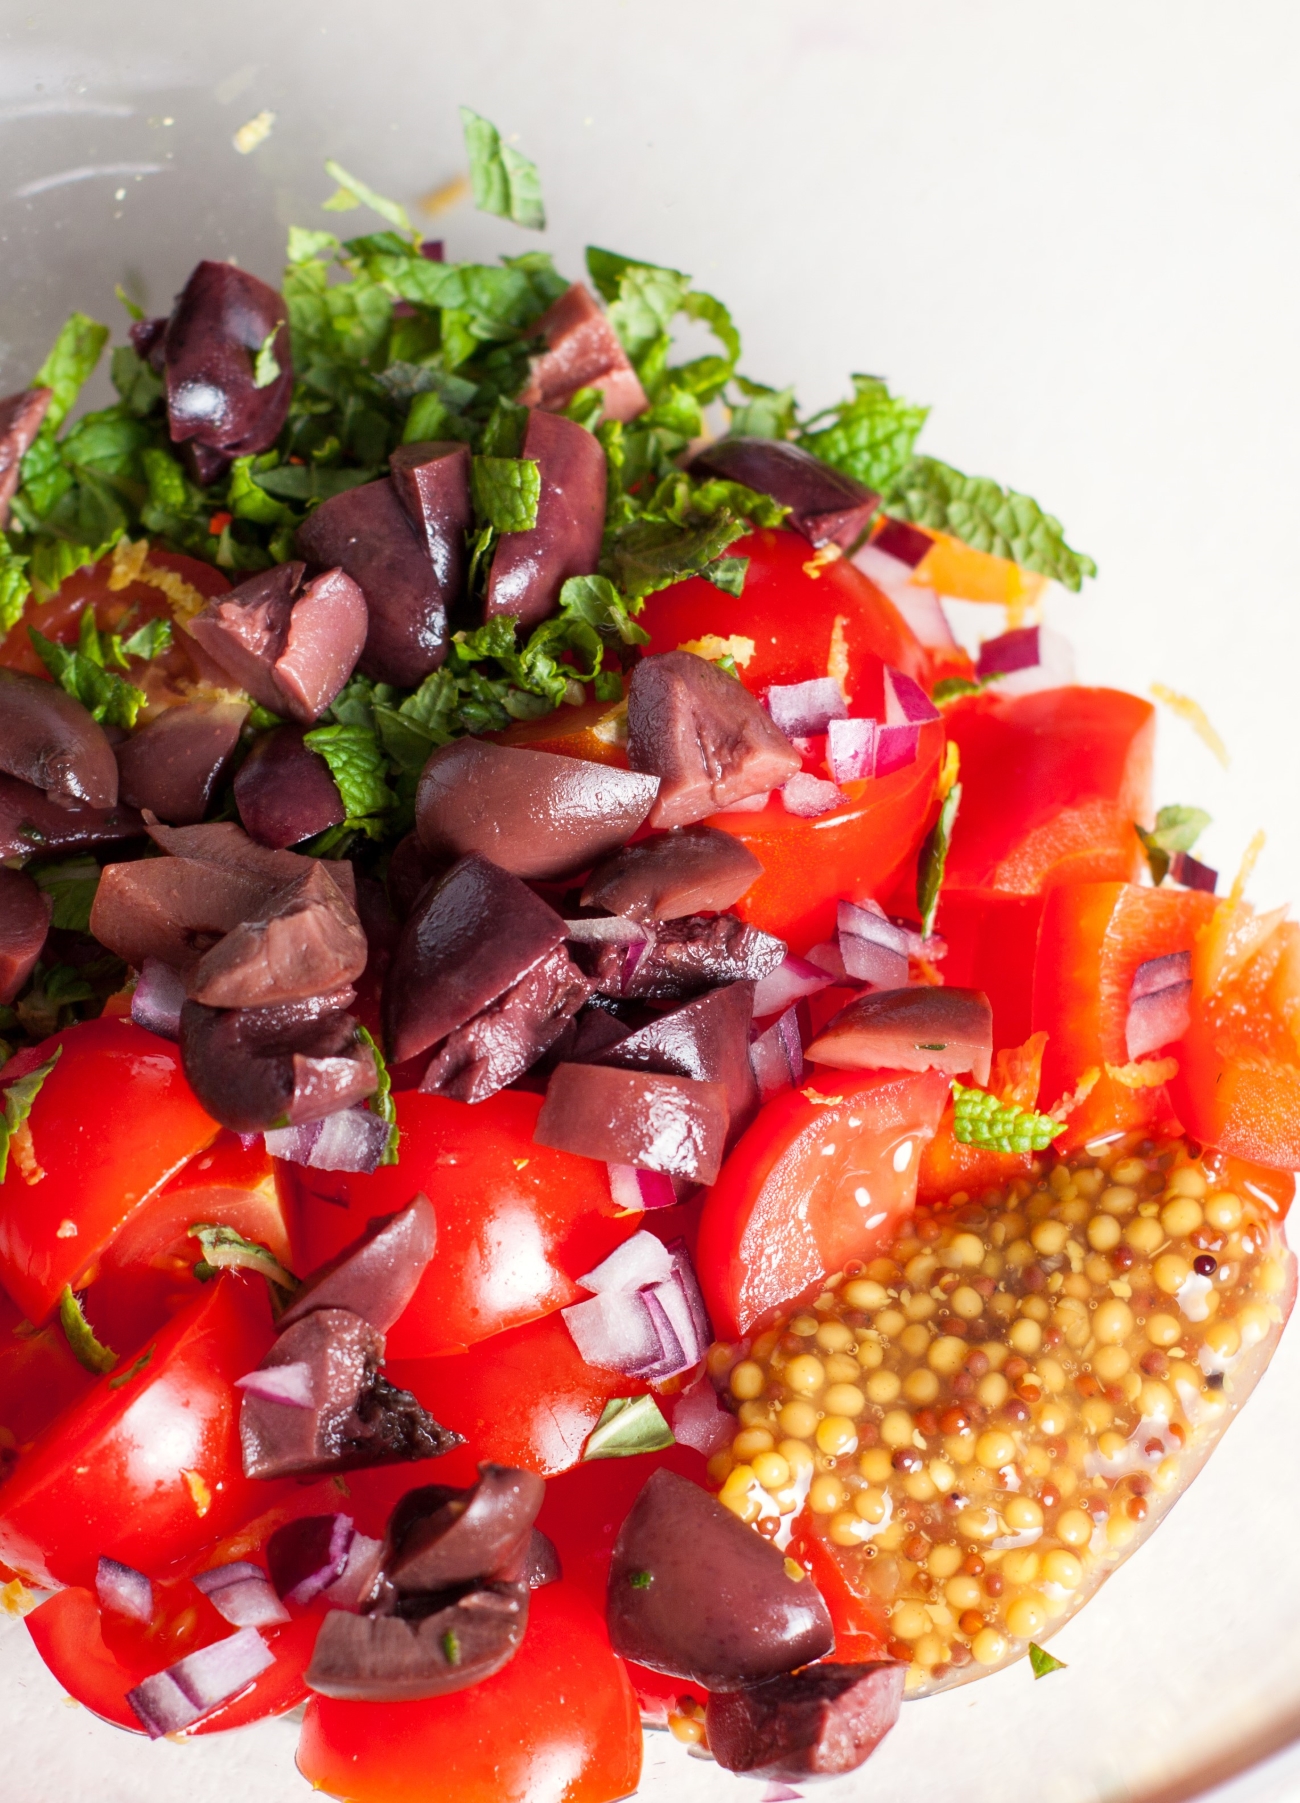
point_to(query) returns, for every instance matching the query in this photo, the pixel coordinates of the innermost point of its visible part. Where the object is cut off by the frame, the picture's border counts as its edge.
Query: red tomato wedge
(558, 1725)
(517, 1222)
(113, 1121)
(146, 1468)
(992, 942)
(822, 1177)
(1051, 786)
(861, 1631)
(38, 1377)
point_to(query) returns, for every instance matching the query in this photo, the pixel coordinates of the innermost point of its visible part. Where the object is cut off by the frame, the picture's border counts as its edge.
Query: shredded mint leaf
(503, 180)
(979, 1119)
(265, 366)
(1043, 1662)
(871, 436)
(148, 641)
(350, 193)
(359, 767)
(628, 1425)
(764, 412)
(608, 685)
(54, 990)
(683, 528)
(382, 1103)
(596, 600)
(14, 586)
(71, 885)
(104, 695)
(69, 365)
(18, 1098)
(1176, 829)
(140, 387)
(986, 517)
(952, 688)
(506, 492)
(124, 1377)
(309, 482)
(80, 1336)
(451, 1647)
(934, 858)
(135, 311)
(727, 573)
(226, 1250)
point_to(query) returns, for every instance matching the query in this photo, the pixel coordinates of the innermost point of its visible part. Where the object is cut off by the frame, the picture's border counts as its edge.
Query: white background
(1070, 228)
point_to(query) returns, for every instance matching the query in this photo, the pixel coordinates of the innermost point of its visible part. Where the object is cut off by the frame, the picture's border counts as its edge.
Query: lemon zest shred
(1074, 1098)
(1195, 716)
(837, 655)
(16, 1599)
(1149, 1074)
(131, 564)
(23, 1148)
(825, 554)
(712, 647)
(1246, 869)
(444, 197)
(200, 1495)
(949, 770)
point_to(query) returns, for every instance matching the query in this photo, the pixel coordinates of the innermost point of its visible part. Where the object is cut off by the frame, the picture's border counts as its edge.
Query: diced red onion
(809, 796)
(906, 702)
(310, 1554)
(868, 920)
(609, 930)
(350, 1139)
(1158, 1019)
(1027, 659)
(896, 748)
(635, 1265)
(906, 543)
(826, 956)
(614, 1331)
(123, 1589)
(700, 1421)
(1185, 869)
(158, 998)
(777, 1056)
(874, 950)
(653, 1329)
(801, 708)
(672, 1359)
(242, 1595)
(634, 1189)
(173, 1699)
(353, 1585)
(1161, 973)
(689, 1284)
(289, 1384)
(780, 1793)
(792, 979)
(752, 804)
(923, 611)
(851, 749)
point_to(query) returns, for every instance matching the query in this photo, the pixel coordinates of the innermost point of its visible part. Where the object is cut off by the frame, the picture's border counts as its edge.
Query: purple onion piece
(354, 1584)
(906, 702)
(173, 1699)
(803, 708)
(1015, 650)
(158, 998)
(353, 1139)
(615, 1331)
(1161, 973)
(868, 961)
(826, 957)
(242, 1595)
(896, 748)
(780, 1793)
(1158, 1019)
(700, 1421)
(685, 1305)
(851, 749)
(123, 1589)
(868, 920)
(308, 1555)
(777, 1056)
(1185, 869)
(635, 1265)
(792, 979)
(906, 543)
(672, 1354)
(634, 1189)
(288, 1384)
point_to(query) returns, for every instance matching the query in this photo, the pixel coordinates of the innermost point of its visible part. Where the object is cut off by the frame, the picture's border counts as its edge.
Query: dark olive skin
(916, 1029)
(307, 941)
(174, 909)
(826, 506)
(31, 822)
(221, 320)
(507, 1038)
(530, 568)
(438, 1538)
(815, 1723)
(20, 420)
(376, 1277)
(284, 790)
(659, 1123)
(692, 871)
(244, 631)
(395, 1658)
(24, 923)
(707, 1039)
(254, 1068)
(431, 480)
(685, 957)
(49, 740)
(173, 765)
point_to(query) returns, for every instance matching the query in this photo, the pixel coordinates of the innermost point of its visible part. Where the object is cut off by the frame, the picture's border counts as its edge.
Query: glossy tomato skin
(558, 1723)
(824, 1175)
(146, 1467)
(39, 1377)
(1051, 786)
(113, 1121)
(517, 1222)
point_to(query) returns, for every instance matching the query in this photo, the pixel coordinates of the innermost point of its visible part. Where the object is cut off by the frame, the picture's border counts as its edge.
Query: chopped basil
(71, 886)
(934, 858)
(124, 1377)
(265, 367)
(224, 1249)
(18, 1098)
(503, 180)
(104, 694)
(979, 1119)
(1176, 829)
(628, 1425)
(1044, 1662)
(85, 1348)
(382, 1103)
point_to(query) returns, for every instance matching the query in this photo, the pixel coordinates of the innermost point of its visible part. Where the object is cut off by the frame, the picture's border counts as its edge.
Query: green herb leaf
(18, 1098)
(1176, 829)
(85, 1348)
(640, 1580)
(1043, 1662)
(153, 639)
(934, 858)
(503, 181)
(506, 492)
(69, 365)
(140, 386)
(382, 1103)
(952, 688)
(266, 368)
(124, 1377)
(451, 1647)
(988, 518)
(52, 991)
(14, 586)
(871, 436)
(727, 573)
(134, 310)
(226, 1250)
(628, 1425)
(104, 695)
(979, 1119)
(71, 885)
(358, 766)
(764, 413)
(351, 192)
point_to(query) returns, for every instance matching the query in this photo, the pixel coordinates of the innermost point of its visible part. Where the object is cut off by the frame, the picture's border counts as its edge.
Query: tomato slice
(517, 1222)
(1051, 786)
(822, 1176)
(861, 1630)
(113, 1121)
(992, 941)
(146, 1467)
(38, 1378)
(596, 731)
(559, 1722)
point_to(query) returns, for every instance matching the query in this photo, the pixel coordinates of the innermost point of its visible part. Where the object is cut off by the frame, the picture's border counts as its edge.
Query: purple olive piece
(656, 1123)
(685, 957)
(254, 1068)
(306, 1555)
(431, 480)
(20, 420)
(438, 1537)
(690, 871)
(703, 735)
(473, 935)
(815, 1723)
(173, 909)
(30, 822)
(695, 1593)
(24, 923)
(826, 506)
(355, 1418)
(707, 1039)
(532, 812)
(173, 764)
(507, 1037)
(401, 1658)
(582, 351)
(919, 1029)
(292, 647)
(222, 318)
(542, 1561)
(410, 867)
(376, 1276)
(229, 847)
(306, 942)
(49, 740)
(365, 532)
(530, 568)
(244, 630)
(284, 790)
(146, 337)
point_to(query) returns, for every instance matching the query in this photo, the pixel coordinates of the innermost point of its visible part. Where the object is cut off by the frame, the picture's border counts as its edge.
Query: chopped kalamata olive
(24, 923)
(542, 1562)
(703, 735)
(228, 846)
(409, 868)
(244, 630)
(431, 480)
(355, 1417)
(254, 1068)
(172, 909)
(291, 646)
(284, 790)
(30, 823)
(306, 1556)
(438, 1537)
(694, 870)
(918, 1029)
(530, 568)
(307, 941)
(826, 506)
(695, 1593)
(365, 531)
(172, 765)
(377, 1275)
(532, 812)
(401, 1658)
(472, 936)
(685, 957)
(222, 319)
(642, 1118)
(815, 1723)
(707, 1039)
(20, 420)
(507, 1037)
(583, 351)
(49, 740)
